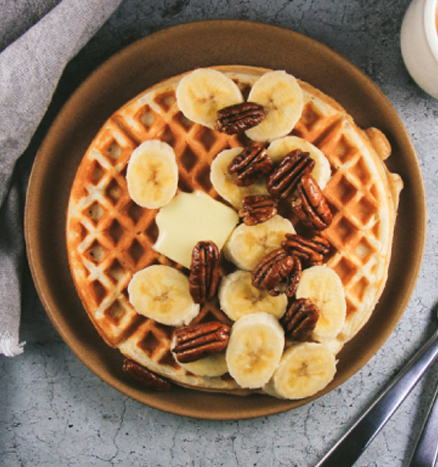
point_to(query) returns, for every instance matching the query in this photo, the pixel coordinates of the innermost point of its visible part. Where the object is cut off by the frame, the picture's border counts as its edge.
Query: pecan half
(300, 319)
(294, 278)
(144, 376)
(252, 163)
(312, 206)
(239, 117)
(204, 271)
(277, 272)
(310, 250)
(201, 340)
(285, 178)
(257, 209)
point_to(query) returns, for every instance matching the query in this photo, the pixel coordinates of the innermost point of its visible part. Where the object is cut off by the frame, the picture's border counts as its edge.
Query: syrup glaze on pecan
(144, 376)
(312, 251)
(278, 272)
(312, 206)
(283, 181)
(300, 319)
(238, 118)
(257, 209)
(294, 278)
(252, 163)
(200, 341)
(204, 271)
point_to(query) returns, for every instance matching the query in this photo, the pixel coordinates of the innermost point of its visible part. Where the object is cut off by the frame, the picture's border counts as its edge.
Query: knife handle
(349, 448)
(426, 450)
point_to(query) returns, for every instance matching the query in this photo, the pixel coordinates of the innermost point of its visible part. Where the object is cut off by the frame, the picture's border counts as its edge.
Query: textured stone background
(54, 411)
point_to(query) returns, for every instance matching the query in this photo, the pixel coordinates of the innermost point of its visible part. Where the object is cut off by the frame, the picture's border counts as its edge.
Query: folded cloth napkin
(30, 68)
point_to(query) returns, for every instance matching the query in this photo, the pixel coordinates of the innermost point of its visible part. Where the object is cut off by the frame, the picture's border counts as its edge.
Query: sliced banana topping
(324, 287)
(238, 297)
(162, 293)
(152, 174)
(213, 365)
(254, 350)
(201, 93)
(282, 99)
(255, 355)
(247, 245)
(304, 370)
(225, 183)
(282, 146)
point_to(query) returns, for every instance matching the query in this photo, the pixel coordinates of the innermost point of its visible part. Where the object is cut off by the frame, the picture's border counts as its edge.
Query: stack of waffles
(110, 237)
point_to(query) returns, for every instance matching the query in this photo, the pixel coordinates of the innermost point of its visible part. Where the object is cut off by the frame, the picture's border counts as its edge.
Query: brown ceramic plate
(146, 62)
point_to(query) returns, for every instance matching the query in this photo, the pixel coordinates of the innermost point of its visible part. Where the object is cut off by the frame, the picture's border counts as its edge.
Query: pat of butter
(190, 218)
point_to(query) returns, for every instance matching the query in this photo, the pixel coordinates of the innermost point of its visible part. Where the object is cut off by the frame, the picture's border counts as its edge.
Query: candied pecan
(300, 319)
(310, 250)
(285, 178)
(238, 118)
(312, 206)
(144, 376)
(294, 278)
(277, 272)
(204, 271)
(201, 340)
(252, 163)
(257, 209)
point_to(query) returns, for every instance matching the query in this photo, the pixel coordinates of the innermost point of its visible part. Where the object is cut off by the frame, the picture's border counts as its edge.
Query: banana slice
(162, 293)
(282, 98)
(224, 183)
(238, 297)
(247, 245)
(324, 287)
(152, 174)
(213, 365)
(203, 92)
(254, 350)
(334, 345)
(304, 370)
(280, 147)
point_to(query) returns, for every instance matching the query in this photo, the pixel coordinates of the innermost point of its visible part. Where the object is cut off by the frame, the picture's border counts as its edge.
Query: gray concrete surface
(54, 411)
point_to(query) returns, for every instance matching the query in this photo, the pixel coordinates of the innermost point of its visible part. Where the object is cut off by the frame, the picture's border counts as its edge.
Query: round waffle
(109, 237)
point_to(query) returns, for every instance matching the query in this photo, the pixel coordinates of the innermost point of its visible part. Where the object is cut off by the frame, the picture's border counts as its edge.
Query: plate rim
(37, 175)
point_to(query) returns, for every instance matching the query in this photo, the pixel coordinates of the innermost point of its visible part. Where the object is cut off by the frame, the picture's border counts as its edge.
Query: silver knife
(349, 448)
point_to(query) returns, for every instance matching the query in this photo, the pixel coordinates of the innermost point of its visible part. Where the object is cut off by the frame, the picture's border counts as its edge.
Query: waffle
(109, 237)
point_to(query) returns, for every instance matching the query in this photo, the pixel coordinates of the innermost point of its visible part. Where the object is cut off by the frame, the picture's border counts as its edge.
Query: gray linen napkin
(30, 68)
